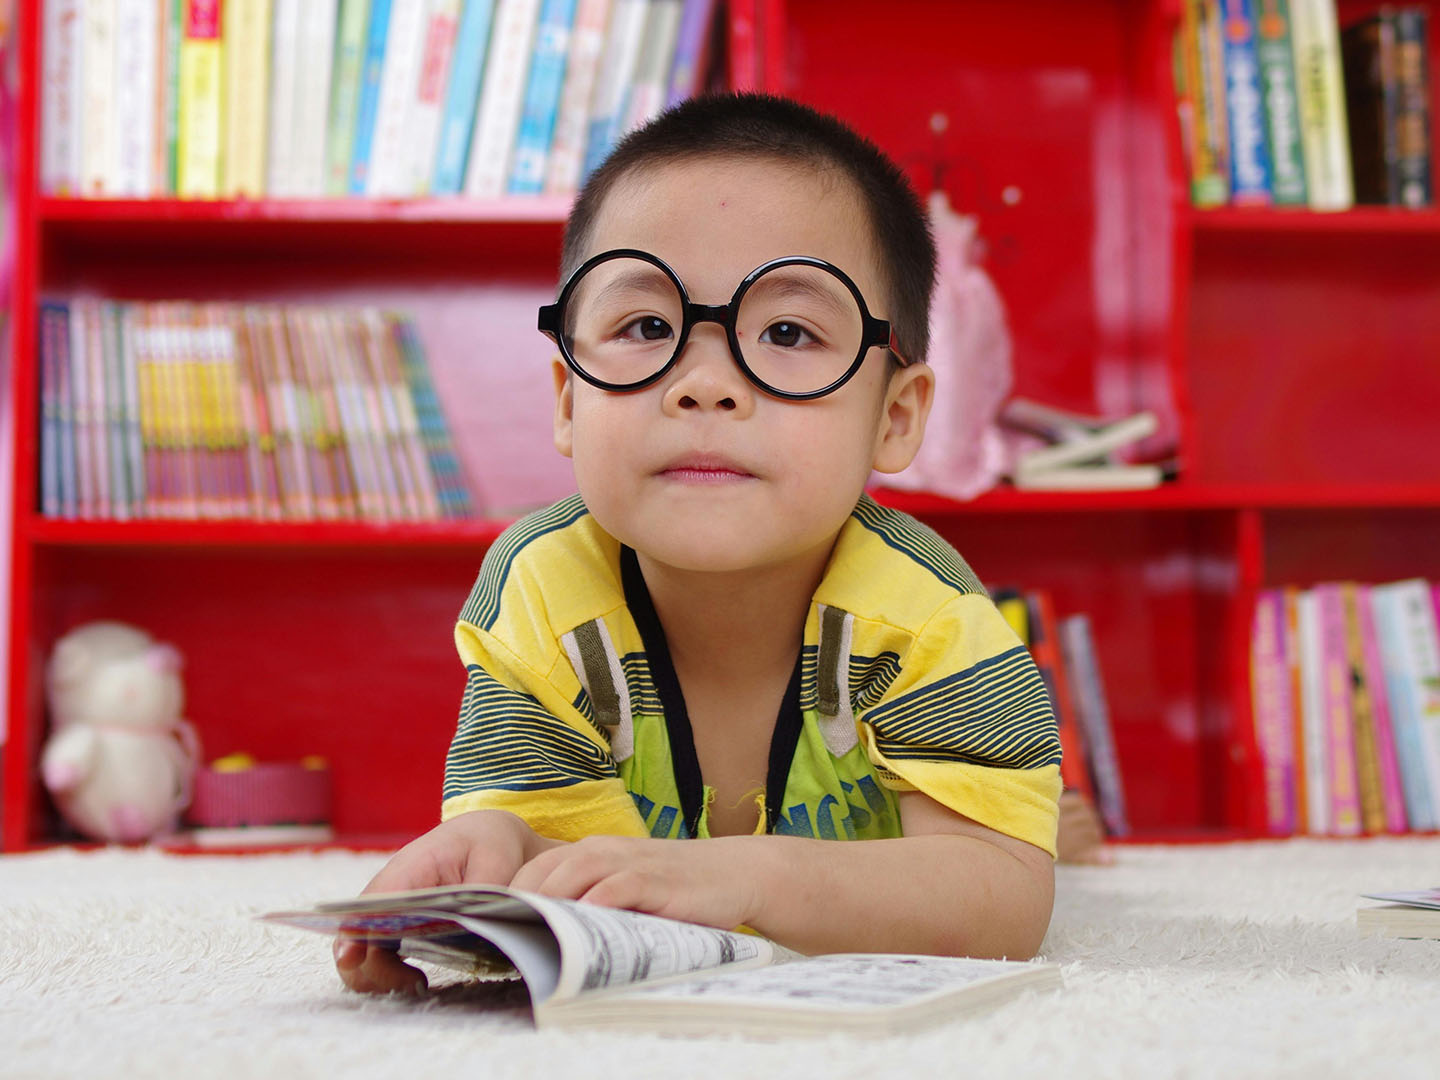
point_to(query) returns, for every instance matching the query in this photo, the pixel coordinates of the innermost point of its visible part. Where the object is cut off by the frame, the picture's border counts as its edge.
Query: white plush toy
(120, 760)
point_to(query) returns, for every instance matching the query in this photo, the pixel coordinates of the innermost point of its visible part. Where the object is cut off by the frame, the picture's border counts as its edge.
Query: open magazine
(1413, 914)
(591, 966)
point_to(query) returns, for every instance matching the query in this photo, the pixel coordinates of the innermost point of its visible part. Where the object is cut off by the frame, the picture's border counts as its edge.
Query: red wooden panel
(1304, 547)
(1313, 358)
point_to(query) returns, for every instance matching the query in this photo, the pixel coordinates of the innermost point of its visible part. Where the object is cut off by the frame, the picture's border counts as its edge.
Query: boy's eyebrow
(784, 286)
(632, 278)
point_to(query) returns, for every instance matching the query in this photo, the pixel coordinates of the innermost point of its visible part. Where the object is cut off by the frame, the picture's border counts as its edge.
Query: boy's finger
(371, 969)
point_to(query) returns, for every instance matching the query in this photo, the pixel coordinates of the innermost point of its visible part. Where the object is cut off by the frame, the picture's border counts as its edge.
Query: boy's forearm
(941, 894)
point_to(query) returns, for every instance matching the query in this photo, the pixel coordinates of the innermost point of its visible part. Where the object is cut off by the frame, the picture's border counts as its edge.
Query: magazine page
(873, 992)
(603, 947)
(1422, 898)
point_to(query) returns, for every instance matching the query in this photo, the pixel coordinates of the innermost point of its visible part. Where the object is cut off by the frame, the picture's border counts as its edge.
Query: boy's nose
(707, 376)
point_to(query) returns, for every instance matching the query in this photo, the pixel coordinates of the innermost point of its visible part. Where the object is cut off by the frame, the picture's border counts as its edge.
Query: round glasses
(797, 326)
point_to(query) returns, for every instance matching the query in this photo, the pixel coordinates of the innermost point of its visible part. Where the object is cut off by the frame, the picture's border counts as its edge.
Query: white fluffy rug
(1225, 961)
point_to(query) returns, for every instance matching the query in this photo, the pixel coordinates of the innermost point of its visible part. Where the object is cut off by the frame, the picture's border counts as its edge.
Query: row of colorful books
(1346, 690)
(208, 410)
(381, 98)
(1279, 106)
(1063, 649)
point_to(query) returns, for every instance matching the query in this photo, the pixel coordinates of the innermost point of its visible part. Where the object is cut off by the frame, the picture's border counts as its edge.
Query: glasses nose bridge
(702, 313)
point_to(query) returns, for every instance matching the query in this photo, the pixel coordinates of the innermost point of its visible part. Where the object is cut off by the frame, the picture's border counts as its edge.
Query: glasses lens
(622, 321)
(799, 328)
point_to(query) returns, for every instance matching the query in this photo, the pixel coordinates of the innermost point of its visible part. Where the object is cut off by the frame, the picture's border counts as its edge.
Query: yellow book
(201, 105)
(247, 97)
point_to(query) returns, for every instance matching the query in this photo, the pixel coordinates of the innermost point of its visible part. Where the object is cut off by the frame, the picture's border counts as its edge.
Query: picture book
(587, 966)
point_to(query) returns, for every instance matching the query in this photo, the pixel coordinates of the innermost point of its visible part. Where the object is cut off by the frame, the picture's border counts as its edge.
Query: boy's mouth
(705, 469)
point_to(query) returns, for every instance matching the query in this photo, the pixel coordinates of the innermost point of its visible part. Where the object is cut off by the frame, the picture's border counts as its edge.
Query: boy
(627, 649)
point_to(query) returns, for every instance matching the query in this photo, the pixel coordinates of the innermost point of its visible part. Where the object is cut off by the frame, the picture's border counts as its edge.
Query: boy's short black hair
(775, 128)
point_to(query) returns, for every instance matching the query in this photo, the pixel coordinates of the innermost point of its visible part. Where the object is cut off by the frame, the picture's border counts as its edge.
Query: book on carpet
(1413, 914)
(590, 966)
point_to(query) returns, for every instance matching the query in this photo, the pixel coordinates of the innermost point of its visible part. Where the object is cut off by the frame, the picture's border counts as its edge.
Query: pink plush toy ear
(165, 659)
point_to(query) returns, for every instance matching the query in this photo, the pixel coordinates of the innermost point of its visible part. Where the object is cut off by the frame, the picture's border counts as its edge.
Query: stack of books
(1346, 690)
(223, 411)
(200, 99)
(1279, 106)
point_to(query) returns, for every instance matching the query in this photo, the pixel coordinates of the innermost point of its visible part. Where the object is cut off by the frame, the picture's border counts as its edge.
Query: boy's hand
(711, 882)
(485, 847)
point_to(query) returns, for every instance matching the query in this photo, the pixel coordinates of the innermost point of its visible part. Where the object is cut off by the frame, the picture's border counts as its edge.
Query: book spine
(68, 473)
(99, 411)
(501, 98)
(97, 118)
(285, 61)
(1082, 665)
(645, 95)
(1275, 52)
(315, 35)
(336, 354)
(1412, 125)
(1209, 174)
(117, 441)
(1313, 715)
(442, 24)
(130, 413)
(308, 423)
(541, 102)
(1044, 647)
(49, 411)
(688, 69)
(617, 68)
(350, 34)
(1367, 756)
(1368, 52)
(60, 98)
(386, 378)
(1391, 791)
(1249, 156)
(142, 342)
(452, 149)
(1422, 653)
(399, 77)
(369, 101)
(1320, 86)
(260, 441)
(174, 38)
(201, 54)
(1338, 698)
(1405, 704)
(567, 143)
(247, 97)
(136, 45)
(1273, 712)
(270, 345)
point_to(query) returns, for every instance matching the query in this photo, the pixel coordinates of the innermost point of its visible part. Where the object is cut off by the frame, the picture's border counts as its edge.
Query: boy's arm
(949, 886)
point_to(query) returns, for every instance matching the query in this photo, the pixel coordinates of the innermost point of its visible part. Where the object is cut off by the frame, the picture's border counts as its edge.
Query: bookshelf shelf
(538, 210)
(457, 535)
(1289, 355)
(1362, 220)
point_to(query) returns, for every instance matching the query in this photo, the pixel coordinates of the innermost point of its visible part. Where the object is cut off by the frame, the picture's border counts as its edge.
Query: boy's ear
(564, 407)
(902, 421)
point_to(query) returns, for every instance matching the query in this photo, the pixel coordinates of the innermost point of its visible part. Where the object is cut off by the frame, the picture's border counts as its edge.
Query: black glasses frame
(873, 331)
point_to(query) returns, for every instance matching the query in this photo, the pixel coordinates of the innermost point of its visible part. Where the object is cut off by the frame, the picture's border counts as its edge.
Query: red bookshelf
(1289, 355)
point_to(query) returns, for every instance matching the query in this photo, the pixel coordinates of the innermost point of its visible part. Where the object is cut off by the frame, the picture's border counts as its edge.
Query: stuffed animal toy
(120, 760)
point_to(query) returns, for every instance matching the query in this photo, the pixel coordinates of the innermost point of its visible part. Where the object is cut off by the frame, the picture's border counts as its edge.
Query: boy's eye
(647, 328)
(786, 334)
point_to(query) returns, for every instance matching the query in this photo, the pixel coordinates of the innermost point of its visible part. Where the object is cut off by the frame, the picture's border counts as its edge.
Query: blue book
(457, 122)
(68, 477)
(542, 97)
(1249, 150)
(369, 103)
(687, 67)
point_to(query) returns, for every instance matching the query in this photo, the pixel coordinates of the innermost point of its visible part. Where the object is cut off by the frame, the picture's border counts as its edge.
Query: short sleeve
(968, 722)
(520, 745)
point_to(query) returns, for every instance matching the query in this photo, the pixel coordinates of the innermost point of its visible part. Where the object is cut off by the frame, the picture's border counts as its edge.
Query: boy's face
(702, 470)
